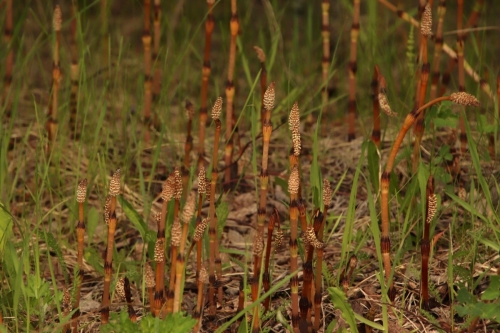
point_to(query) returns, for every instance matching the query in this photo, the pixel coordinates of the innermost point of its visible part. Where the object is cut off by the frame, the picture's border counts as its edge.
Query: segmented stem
(52, 123)
(9, 61)
(114, 190)
(325, 62)
(352, 68)
(376, 108)
(75, 73)
(81, 194)
(205, 74)
(234, 26)
(212, 231)
(438, 48)
(268, 103)
(146, 42)
(425, 32)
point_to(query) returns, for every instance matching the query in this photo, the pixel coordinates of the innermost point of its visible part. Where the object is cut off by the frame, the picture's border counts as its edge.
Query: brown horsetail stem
(263, 79)
(327, 197)
(438, 48)
(74, 73)
(167, 194)
(9, 61)
(376, 134)
(81, 194)
(425, 245)
(460, 98)
(188, 145)
(201, 225)
(212, 230)
(113, 192)
(205, 75)
(176, 234)
(52, 125)
(325, 61)
(128, 297)
(446, 48)
(234, 26)
(461, 72)
(146, 42)
(159, 258)
(352, 68)
(156, 89)
(266, 278)
(425, 32)
(293, 189)
(187, 216)
(311, 243)
(267, 129)
(104, 33)
(202, 280)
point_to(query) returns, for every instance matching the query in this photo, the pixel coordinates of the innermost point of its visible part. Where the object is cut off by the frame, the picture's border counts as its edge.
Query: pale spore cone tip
(463, 98)
(149, 276)
(189, 208)
(426, 22)
(294, 181)
(176, 233)
(81, 191)
(200, 229)
(159, 254)
(178, 184)
(260, 54)
(384, 105)
(294, 124)
(202, 181)
(57, 19)
(269, 97)
(327, 193)
(217, 108)
(114, 184)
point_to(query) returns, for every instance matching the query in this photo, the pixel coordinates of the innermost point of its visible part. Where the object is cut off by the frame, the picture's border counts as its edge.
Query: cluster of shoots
(459, 98)
(167, 298)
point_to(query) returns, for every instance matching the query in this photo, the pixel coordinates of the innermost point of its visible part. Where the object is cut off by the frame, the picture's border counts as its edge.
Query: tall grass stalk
(376, 134)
